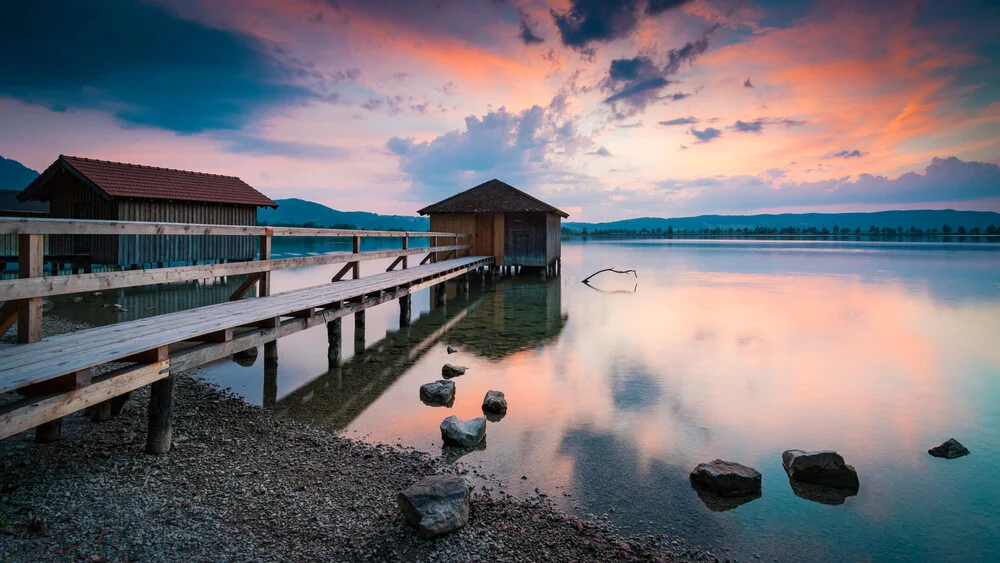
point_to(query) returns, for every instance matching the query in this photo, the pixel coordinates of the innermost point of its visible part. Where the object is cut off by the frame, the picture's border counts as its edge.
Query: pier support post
(359, 332)
(161, 409)
(404, 311)
(333, 337)
(356, 248)
(441, 294)
(30, 264)
(270, 374)
(264, 283)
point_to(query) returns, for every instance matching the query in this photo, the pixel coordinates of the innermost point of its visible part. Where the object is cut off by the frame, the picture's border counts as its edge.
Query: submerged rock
(949, 450)
(825, 467)
(494, 403)
(437, 504)
(451, 350)
(822, 494)
(450, 371)
(440, 392)
(726, 478)
(463, 433)
(719, 503)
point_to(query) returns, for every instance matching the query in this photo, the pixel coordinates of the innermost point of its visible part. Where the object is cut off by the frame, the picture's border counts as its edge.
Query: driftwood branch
(611, 270)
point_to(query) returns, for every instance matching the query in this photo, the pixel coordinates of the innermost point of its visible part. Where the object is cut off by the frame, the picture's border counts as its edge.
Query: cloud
(143, 64)
(680, 121)
(257, 146)
(635, 83)
(526, 149)
(757, 125)
(601, 21)
(527, 34)
(748, 84)
(706, 135)
(601, 152)
(399, 104)
(845, 154)
(943, 180)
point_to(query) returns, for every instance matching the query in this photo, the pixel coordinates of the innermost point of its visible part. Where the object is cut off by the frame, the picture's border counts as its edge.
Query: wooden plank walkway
(29, 364)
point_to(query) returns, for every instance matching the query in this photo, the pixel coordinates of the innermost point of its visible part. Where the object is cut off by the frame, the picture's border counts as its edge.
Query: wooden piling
(270, 379)
(359, 332)
(159, 431)
(271, 352)
(49, 431)
(333, 337)
(404, 311)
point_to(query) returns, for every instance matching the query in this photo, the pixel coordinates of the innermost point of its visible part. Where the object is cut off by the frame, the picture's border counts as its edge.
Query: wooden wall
(525, 239)
(553, 238)
(485, 232)
(147, 249)
(72, 199)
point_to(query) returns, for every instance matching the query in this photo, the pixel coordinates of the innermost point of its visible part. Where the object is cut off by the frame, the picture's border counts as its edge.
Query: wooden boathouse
(515, 228)
(85, 188)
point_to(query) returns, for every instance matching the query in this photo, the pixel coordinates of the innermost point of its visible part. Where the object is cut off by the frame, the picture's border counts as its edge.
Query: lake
(718, 349)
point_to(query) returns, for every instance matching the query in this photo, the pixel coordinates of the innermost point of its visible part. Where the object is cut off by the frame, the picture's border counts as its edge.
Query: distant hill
(921, 219)
(14, 177)
(294, 211)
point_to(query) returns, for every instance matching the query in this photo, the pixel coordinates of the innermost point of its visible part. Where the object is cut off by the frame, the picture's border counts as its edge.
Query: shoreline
(242, 483)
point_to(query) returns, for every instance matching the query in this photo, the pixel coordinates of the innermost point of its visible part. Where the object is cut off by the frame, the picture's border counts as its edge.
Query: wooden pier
(63, 374)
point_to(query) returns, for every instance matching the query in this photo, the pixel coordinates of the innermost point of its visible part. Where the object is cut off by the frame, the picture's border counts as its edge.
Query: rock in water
(494, 403)
(440, 392)
(726, 478)
(437, 504)
(821, 468)
(949, 450)
(450, 371)
(451, 350)
(463, 433)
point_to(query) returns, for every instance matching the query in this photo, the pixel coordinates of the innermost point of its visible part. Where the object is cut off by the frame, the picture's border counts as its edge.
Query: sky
(606, 109)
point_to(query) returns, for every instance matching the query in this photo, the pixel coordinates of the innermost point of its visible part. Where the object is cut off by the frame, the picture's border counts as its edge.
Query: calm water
(735, 350)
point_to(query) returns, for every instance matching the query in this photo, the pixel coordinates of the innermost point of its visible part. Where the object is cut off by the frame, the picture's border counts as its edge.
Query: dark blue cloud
(706, 135)
(601, 152)
(142, 63)
(639, 88)
(527, 34)
(257, 146)
(757, 125)
(680, 121)
(748, 84)
(600, 21)
(848, 154)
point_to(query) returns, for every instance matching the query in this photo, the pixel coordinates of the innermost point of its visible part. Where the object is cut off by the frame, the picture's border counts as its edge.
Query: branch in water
(611, 270)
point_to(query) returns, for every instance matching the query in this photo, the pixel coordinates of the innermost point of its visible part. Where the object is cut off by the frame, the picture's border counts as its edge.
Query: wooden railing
(23, 297)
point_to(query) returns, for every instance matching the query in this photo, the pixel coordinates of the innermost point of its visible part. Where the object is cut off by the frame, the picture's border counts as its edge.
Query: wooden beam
(303, 314)
(244, 287)
(30, 264)
(395, 263)
(347, 268)
(8, 316)
(37, 410)
(68, 382)
(427, 259)
(49, 226)
(273, 322)
(48, 286)
(356, 249)
(159, 354)
(224, 335)
(265, 255)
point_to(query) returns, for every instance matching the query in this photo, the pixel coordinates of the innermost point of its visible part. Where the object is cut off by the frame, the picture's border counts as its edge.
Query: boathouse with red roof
(85, 188)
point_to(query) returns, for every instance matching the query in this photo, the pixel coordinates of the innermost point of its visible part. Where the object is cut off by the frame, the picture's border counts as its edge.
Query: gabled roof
(119, 179)
(491, 197)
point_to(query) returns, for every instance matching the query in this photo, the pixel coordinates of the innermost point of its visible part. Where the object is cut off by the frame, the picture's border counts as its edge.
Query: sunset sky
(608, 110)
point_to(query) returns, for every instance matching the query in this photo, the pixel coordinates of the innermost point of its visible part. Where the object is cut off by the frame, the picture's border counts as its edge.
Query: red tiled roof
(119, 179)
(491, 197)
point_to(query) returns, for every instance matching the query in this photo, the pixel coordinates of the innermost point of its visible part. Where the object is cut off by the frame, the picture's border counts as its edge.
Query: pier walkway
(63, 374)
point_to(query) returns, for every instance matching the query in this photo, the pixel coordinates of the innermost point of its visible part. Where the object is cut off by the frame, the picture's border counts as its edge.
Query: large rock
(821, 468)
(440, 392)
(437, 504)
(450, 371)
(451, 350)
(494, 402)
(726, 478)
(463, 433)
(949, 450)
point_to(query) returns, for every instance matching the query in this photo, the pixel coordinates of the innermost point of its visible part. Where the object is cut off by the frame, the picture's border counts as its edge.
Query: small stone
(494, 403)
(463, 433)
(451, 350)
(726, 478)
(437, 504)
(821, 468)
(440, 392)
(450, 371)
(949, 450)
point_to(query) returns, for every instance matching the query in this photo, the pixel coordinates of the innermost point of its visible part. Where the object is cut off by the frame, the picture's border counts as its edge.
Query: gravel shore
(242, 484)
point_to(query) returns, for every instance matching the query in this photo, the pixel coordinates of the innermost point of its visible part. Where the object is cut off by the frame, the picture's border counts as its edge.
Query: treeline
(836, 230)
(314, 225)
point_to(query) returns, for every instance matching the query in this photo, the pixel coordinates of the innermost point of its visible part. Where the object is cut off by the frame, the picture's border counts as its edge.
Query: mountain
(14, 177)
(294, 211)
(921, 219)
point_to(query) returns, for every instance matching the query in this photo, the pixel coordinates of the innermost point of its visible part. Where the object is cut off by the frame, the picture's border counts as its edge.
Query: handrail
(48, 286)
(49, 226)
